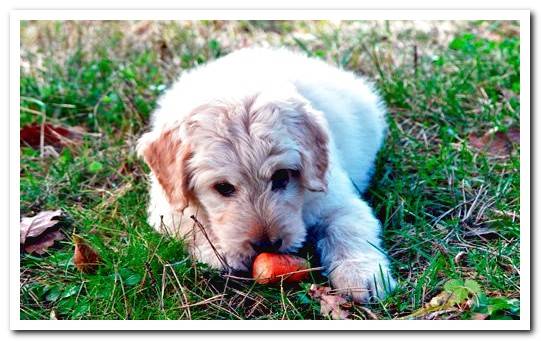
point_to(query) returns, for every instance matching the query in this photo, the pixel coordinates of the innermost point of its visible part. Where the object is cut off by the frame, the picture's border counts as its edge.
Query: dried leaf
(496, 143)
(38, 233)
(454, 297)
(441, 299)
(439, 304)
(316, 291)
(40, 244)
(333, 306)
(85, 258)
(36, 225)
(514, 135)
(55, 136)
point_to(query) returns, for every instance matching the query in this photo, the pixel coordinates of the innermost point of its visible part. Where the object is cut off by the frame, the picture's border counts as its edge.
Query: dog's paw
(362, 281)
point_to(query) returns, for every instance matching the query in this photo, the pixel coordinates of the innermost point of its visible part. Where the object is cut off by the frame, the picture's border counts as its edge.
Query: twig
(127, 308)
(472, 207)
(206, 301)
(434, 314)
(369, 312)
(112, 296)
(120, 191)
(318, 268)
(219, 307)
(350, 289)
(225, 288)
(239, 278)
(186, 300)
(163, 288)
(218, 254)
(282, 300)
(181, 290)
(252, 310)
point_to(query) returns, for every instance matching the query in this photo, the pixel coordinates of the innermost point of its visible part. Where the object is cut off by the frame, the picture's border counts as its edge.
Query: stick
(218, 254)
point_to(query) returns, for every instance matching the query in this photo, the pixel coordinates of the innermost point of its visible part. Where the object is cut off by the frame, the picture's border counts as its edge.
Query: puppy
(265, 147)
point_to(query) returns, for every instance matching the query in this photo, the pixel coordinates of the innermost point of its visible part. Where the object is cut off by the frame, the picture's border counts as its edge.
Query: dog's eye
(225, 189)
(280, 179)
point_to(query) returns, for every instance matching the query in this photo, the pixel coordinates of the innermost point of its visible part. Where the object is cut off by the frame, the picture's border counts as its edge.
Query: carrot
(272, 267)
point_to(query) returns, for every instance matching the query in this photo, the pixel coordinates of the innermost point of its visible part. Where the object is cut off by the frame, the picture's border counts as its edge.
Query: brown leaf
(85, 258)
(498, 143)
(32, 227)
(494, 144)
(514, 135)
(40, 244)
(55, 136)
(333, 306)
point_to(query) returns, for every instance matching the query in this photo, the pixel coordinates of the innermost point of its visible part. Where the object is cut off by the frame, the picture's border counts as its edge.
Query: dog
(257, 150)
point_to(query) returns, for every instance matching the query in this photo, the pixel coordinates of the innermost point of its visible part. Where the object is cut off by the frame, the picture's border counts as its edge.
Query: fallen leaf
(333, 306)
(494, 144)
(454, 297)
(514, 135)
(85, 258)
(38, 233)
(55, 136)
(440, 304)
(441, 299)
(36, 225)
(40, 244)
(497, 143)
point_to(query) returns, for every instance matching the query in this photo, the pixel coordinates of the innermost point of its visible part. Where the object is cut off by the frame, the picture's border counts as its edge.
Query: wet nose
(265, 245)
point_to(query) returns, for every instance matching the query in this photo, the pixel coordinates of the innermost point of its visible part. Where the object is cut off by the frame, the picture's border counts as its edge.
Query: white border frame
(229, 14)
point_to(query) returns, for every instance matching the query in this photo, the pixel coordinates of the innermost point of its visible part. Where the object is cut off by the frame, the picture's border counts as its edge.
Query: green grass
(432, 191)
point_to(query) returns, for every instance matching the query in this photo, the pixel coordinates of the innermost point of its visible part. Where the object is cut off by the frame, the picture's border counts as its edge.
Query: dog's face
(246, 167)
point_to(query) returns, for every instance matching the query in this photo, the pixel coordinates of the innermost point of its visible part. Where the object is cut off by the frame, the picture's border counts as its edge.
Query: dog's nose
(265, 245)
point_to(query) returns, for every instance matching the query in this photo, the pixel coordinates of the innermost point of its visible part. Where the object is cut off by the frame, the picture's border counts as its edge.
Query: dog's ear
(313, 139)
(167, 157)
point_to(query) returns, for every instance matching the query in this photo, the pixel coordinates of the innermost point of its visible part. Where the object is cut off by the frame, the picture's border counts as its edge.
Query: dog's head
(246, 166)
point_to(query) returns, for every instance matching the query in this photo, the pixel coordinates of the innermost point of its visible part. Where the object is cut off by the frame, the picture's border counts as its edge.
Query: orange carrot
(272, 267)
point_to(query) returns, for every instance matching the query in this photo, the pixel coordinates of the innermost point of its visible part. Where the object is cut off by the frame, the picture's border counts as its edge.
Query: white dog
(264, 147)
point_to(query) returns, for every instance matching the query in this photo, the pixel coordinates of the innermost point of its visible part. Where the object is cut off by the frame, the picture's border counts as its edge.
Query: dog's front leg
(350, 249)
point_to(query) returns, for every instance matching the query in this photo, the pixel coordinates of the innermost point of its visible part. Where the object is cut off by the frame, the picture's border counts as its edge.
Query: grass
(449, 211)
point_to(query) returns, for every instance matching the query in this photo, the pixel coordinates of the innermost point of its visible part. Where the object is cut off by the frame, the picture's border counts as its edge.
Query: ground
(446, 187)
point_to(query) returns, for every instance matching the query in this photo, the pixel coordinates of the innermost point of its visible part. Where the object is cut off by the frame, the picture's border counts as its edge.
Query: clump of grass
(449, 211)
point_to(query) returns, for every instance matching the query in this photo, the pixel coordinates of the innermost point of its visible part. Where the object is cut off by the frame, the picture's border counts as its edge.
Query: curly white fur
(240, 119)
